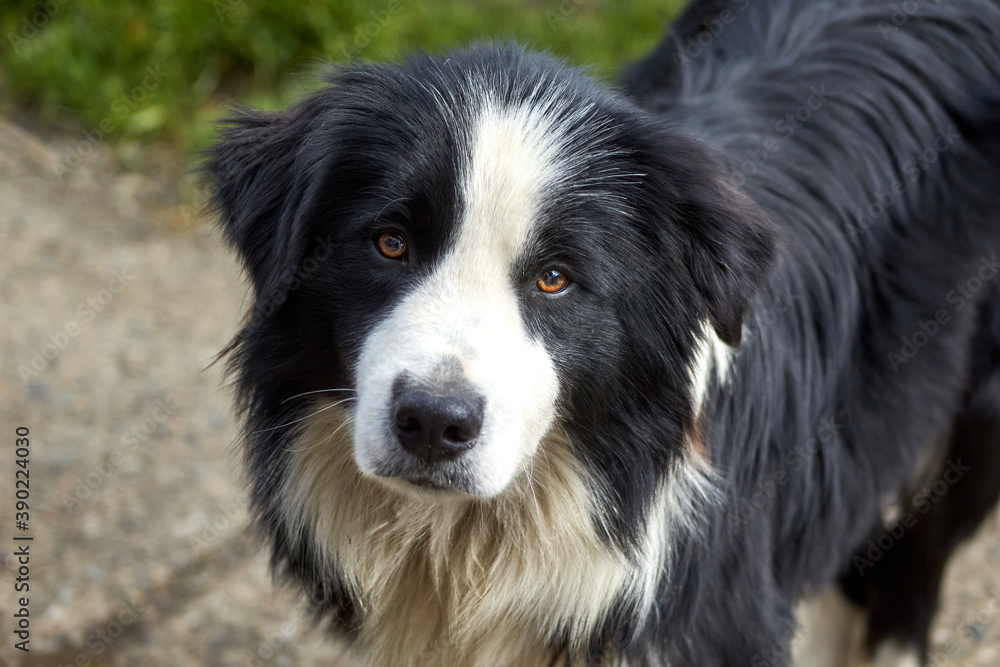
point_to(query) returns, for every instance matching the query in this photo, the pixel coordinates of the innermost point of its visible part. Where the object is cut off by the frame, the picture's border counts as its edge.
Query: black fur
(765, 224)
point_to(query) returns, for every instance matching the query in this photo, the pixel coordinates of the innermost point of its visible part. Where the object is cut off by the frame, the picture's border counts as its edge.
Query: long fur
(736, 399)
(436, 579)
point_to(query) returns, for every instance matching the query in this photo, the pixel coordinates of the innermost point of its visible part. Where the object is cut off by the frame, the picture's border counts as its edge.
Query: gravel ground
(141, 553)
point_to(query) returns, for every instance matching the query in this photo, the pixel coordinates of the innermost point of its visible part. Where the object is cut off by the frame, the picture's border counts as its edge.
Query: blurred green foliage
(160, 69)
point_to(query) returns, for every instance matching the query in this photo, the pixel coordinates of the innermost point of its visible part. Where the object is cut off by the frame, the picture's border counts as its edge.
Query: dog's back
(870, 133)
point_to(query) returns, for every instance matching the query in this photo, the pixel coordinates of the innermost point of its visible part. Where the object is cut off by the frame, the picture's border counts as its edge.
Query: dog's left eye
(552, 281)
(391, 245)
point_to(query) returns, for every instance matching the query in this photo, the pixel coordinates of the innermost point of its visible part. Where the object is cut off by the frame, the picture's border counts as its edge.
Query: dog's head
(476, 250)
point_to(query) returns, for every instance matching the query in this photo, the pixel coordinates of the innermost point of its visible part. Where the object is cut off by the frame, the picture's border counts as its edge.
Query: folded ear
(259, 182)
(728, 244)
(731, 247)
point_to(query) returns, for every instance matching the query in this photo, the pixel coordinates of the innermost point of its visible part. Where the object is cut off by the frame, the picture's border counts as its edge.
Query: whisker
(321, 442)
(318, 391)
(294, 421)
(388, 204)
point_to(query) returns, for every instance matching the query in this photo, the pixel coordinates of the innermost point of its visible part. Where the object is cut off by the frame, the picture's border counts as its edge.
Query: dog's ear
(731, 247)
(727, 242)
(258, 182)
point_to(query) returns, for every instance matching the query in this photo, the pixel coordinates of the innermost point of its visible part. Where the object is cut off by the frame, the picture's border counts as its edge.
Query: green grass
(91, 64)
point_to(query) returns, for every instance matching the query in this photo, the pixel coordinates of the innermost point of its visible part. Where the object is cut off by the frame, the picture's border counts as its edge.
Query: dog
(541, 372)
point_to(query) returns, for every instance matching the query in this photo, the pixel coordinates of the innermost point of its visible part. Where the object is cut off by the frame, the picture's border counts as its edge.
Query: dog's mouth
(435, 479)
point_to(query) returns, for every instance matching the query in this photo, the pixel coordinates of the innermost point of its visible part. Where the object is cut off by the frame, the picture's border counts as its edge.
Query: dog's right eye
(552, 281)
(391, 245)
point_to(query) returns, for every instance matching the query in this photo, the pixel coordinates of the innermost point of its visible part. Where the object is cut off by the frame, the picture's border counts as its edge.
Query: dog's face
(477, 255)
(458, 384)
(502, 281)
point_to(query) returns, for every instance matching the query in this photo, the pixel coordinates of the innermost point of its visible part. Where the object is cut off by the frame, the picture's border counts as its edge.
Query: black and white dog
(543, 373)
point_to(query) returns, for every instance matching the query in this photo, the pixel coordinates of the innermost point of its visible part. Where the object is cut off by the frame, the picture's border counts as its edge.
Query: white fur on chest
(473, 581)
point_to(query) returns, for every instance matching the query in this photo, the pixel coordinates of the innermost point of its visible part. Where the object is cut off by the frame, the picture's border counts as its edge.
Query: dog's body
(540, 373)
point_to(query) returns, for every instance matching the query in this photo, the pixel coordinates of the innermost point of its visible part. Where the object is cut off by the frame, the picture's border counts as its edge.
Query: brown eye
(391, 245)
(552, 281)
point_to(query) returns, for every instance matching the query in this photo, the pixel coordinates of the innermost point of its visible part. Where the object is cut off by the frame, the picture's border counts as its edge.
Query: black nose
(437, 428)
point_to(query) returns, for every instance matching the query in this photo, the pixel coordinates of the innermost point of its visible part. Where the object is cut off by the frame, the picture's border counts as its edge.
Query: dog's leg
(830, 631)
(901, 589)
(893, 654)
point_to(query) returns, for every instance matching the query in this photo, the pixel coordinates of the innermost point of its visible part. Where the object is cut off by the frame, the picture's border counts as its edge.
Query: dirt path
(140, 552)
(136, 510)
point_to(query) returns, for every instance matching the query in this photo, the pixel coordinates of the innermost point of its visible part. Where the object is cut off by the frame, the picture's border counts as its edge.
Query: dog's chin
(447, 483)
(428, 489)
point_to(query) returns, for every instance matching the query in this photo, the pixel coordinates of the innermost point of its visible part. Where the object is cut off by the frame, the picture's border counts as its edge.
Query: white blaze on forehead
(468, 308)
(513, 160)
